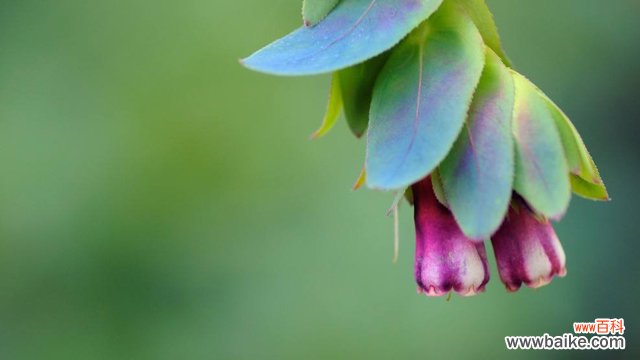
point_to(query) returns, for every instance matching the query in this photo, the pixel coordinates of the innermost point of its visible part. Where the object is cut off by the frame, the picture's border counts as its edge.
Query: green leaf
(581, 164)
(483, 18)
(408, 195)
(477, 175)
(578, 157)
(315, 10)
(438, 188)
(334, 106)
(353, 32)
(541, 175)
(588, 190)
(421, 98)
(356, 83)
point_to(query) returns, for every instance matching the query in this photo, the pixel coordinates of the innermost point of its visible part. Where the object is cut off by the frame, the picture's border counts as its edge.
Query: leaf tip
(317, 134)
(362, 178)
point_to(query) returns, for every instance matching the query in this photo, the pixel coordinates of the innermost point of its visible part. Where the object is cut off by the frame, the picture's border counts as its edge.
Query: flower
(486, 153)
(445, 260)
(527, 249)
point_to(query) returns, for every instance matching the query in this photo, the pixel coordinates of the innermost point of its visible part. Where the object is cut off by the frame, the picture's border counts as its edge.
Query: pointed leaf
(581, 165)
(315, 10)
(578, 157)
(356, 83)
(361, 179)
(588, 190)
(481, 15)
(477, 175)
(541, 175)
(356, 30)
(421, 98)
(334, 106)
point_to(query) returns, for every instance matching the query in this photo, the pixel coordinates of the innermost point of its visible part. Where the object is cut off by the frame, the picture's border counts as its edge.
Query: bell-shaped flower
(445, 260)
(527, 249)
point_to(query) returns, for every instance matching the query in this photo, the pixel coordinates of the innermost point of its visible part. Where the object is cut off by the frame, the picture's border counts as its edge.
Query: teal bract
(441, 106)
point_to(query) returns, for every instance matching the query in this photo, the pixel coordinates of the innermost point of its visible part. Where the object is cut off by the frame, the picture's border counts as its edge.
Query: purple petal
(527, 249)
(446, 260)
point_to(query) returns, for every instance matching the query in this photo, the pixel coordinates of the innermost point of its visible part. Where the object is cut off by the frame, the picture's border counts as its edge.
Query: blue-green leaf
(356, 30)
(542, 173)
(585, 178)
(477, 175)
(421, 99)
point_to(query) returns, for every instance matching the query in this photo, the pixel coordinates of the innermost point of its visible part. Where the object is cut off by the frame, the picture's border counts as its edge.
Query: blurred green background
(158, 201)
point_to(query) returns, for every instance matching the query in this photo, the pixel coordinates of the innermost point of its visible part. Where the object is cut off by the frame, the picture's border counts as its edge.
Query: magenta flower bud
(446, 259)
(527, 249)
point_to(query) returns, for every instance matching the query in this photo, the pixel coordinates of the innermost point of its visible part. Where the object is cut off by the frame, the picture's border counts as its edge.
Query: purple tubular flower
(446, 259)
(527, 249)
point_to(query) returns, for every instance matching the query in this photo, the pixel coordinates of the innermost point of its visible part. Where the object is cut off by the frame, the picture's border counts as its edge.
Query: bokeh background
(158, 201)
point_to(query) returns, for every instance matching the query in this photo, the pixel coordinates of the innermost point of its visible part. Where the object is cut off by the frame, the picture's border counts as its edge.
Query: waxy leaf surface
(421, 99)
(542, 173)
(477, 175)
(356, 30)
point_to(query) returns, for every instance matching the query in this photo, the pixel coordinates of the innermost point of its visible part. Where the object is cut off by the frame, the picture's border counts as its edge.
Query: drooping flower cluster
(483, 153)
